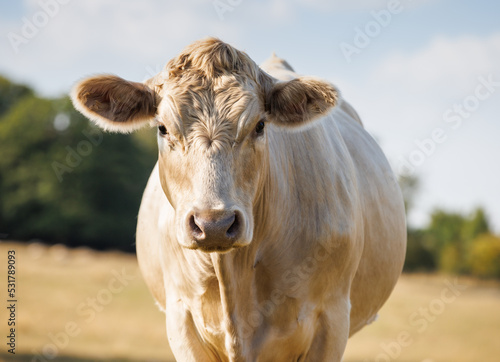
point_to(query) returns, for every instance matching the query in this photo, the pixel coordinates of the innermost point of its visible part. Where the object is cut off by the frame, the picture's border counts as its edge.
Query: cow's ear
(115, 104)
(299, 101)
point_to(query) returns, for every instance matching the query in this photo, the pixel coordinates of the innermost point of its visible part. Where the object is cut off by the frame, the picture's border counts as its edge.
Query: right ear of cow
(115, 104)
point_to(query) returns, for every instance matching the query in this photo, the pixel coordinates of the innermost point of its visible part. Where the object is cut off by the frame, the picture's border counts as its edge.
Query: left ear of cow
(299, 101)
(115, 104)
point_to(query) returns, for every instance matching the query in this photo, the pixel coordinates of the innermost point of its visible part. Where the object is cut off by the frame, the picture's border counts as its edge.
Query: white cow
(272, 227)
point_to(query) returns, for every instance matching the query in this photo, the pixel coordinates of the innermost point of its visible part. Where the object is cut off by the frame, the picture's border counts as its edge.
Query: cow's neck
(234, 270)
(237, 280)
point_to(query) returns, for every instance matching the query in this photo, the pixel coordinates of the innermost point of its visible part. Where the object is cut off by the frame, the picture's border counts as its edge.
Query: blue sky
(420, 62)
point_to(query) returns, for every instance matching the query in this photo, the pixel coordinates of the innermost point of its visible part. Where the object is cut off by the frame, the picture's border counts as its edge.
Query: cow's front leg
(183, 337)
(331, 336)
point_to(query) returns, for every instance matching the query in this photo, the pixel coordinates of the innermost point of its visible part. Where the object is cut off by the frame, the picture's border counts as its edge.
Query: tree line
(64, 181)
(452, 242)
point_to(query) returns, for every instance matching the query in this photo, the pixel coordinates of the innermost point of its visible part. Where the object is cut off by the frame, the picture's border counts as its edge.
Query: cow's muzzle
(215, 230)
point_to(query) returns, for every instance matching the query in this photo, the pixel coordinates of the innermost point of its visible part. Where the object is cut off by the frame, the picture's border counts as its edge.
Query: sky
(424, 75)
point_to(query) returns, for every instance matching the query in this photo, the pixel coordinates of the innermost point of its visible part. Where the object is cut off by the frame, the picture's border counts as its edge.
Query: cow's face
(211, 106)
(212, 155)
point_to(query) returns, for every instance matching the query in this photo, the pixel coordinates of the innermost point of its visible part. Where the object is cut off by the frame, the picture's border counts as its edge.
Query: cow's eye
(163, 130)
(259, 129)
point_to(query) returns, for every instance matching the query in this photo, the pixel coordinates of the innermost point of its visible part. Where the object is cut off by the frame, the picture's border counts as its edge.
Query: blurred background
(424, 76)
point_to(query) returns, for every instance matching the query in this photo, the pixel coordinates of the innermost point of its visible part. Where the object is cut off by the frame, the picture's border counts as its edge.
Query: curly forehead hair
(212, 85)
(212, 58)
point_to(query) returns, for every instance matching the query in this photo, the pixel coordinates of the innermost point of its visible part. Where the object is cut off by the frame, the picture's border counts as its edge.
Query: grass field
(80, 305)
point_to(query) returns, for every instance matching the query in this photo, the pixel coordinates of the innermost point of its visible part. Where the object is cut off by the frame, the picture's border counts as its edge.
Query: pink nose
(214, 229)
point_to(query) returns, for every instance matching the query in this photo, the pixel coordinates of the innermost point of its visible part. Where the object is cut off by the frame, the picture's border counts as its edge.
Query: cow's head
(211, 105)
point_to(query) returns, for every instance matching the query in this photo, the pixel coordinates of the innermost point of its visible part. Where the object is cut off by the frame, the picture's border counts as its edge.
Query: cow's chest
(252, 322)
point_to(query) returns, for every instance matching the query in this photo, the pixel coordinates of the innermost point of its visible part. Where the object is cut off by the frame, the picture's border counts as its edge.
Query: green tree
(62, 180)
(418, 256)
(484, 256)
(11, 93)
(409, 185)
(444, 228)
(449, 236)
(477, 224)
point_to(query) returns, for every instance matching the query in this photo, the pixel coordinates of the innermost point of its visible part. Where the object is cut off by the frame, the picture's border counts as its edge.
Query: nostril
(215, 227)
(234, 228)
(195, 229)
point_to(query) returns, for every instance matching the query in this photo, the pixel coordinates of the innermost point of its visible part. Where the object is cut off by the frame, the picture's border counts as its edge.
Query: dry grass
(57, 286)
(434, 322)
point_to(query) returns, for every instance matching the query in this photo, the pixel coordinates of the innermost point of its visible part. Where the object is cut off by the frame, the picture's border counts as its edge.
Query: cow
(272, 227)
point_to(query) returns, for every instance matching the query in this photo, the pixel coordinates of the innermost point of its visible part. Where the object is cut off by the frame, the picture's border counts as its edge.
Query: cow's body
(328, 247)
(272, 227)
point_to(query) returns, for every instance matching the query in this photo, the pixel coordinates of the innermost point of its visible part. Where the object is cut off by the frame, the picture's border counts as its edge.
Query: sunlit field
(82, 305)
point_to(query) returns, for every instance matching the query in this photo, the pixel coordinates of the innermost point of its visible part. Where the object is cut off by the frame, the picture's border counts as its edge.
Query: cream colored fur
(324, 233)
